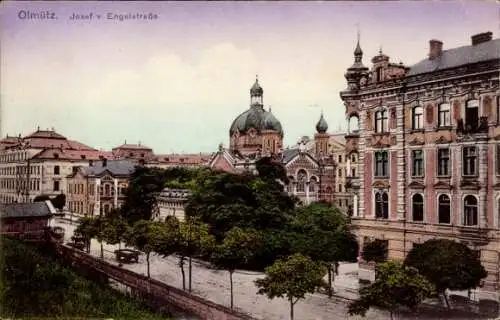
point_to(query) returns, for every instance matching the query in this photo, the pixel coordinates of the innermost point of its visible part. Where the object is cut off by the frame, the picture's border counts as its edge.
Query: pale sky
(176, 83)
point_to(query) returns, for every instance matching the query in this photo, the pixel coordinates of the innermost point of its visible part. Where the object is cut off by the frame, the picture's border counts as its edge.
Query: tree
(115, 229)
(292, 278)
(375, 250)
(141, 195)
(322, 232)
(87, 229)
(447, 264)
(59, 201)
(194, 237)
(41, 198)
(238, 247)
(270, 168)
(396, 286)
(147, 236)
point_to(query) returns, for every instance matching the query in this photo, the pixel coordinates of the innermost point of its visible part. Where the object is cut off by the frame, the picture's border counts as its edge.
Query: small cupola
(321, 126)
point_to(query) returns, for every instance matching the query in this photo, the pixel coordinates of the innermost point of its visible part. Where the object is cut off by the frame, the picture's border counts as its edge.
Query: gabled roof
(123, 167)
(27, 210)
(338, 137)
(451, 58)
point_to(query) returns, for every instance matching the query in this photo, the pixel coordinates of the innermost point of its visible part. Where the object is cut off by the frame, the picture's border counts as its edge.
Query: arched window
(444, 209)
(381, 205)
(312, 184)
(417, 203)
(301, 180)
(418, 117)
(381, 121)
(353, 124)
(470, 211)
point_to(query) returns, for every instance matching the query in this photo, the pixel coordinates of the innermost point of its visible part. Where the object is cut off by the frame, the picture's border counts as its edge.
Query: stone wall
(165, 294)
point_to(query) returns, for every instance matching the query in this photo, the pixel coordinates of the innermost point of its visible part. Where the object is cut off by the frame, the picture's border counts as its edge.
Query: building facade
(426, 143)
(39, 164)
(100, 187)
(256, 133)
(171, 203)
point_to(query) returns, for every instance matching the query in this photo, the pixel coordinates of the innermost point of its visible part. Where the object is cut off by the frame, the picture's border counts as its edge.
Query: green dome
(256, 118)
(321, 126)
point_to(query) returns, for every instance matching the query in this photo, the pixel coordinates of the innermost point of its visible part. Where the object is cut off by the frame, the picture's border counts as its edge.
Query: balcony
(472, 127)
(352, 183)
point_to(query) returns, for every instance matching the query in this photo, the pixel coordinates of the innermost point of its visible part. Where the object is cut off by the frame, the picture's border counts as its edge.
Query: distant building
(171, 202)
(256, 133)
(185, 160)
(39, 164)
(426, 143)
(28, 221)
(98, 188)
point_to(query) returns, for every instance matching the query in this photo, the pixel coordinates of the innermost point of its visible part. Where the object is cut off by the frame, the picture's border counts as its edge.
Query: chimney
(435, 48)
(481, 37)
(104, 162)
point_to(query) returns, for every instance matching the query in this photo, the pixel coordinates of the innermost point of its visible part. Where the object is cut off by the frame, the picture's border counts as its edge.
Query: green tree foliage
(36, 285)
(270, 168)
(87, 229)
(238, 247)
(226, 201)
(447, 264)
(141, 196)
(375, 250)
(147, 236)
(396, 286)
(59, 201)
(41, 198)
(322, 232)
(194, 238)
(115, 229)
(292, 278)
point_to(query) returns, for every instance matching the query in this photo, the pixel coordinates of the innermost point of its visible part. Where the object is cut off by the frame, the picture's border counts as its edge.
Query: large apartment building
(427, 138)
(39, 164)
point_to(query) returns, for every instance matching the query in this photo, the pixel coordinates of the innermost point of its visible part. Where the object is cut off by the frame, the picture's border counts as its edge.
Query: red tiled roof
(186, 159)
(8, 141)
(65, 154)
(50, 134)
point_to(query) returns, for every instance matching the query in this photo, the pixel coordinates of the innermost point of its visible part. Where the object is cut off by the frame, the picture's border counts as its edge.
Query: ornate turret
(321, 126)
(256, 94)
(357, 71)
(321, 138)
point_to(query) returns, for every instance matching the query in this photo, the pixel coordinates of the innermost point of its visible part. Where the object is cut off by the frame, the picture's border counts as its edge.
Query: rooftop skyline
(177, 82)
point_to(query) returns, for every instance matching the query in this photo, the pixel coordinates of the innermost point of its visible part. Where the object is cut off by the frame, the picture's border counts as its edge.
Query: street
(214, 285)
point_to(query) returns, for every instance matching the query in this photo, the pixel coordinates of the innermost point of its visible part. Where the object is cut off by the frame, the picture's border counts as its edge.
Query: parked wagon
(127, 255)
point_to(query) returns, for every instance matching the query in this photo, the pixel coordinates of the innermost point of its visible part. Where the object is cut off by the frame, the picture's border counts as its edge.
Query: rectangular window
(444, 163)
(444, 119)
(56, 185)
(472, 115)
(497, 159)
(469, 155)
(381, 121)
(56, 170)
(381, 164)
(340, 158)
(417, 159)
(418, 118)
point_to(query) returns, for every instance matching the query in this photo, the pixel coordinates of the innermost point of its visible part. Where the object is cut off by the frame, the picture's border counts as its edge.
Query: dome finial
(321, 126)
(380, 49)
